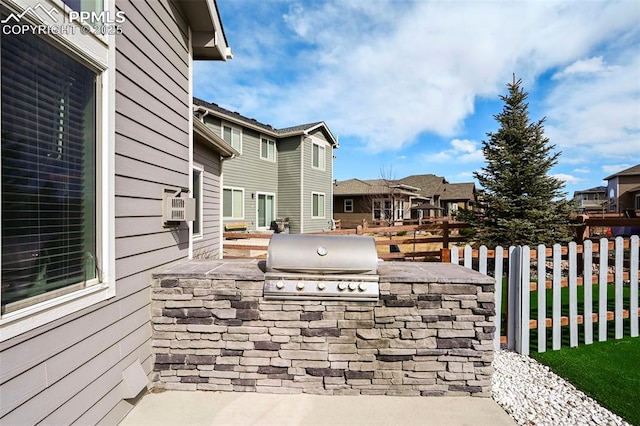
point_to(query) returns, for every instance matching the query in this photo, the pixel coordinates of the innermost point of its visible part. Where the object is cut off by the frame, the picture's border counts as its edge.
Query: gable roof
(458, 191)
(371, 187)
(429, 184)
(252, 123)
(631, 171)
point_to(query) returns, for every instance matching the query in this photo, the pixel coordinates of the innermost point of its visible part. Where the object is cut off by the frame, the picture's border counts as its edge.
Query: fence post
(445, 255)
(498, 295)
(445, 233)
(514, 299)
(633, 278)
(522, 340)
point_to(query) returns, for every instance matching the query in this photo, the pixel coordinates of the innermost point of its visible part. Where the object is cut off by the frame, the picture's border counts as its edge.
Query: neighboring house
(592, 200)
(623, 189)
(376, 200)
(278, 175)
(209, 152)
(96, 131)
(456, 196)
(412, 197)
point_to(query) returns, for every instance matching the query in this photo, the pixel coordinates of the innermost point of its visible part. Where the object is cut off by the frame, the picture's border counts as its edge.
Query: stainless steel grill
(321, 267)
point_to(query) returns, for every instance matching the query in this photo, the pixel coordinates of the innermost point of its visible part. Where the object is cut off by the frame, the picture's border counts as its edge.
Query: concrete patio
(244, 409)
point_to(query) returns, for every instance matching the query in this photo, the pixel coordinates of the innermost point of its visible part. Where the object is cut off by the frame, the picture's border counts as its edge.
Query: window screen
(48, 172)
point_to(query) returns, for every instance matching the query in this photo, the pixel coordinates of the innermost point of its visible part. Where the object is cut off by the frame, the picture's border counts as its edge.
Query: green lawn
(533, 342)
(609, 372)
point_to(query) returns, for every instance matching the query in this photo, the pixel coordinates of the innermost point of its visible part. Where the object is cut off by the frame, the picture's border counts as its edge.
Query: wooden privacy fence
(543, 286)
(411, 240)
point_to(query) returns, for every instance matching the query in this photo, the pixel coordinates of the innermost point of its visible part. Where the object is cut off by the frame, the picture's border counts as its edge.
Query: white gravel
(534, 395)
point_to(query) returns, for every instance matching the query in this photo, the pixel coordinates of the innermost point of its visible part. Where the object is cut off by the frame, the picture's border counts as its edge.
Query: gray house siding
(209, 245)
(290, 181)
(317, 181)
(70, 370)
(249, 172)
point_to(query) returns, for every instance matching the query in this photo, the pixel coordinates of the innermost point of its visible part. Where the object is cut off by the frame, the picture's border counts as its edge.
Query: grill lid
(322, 254)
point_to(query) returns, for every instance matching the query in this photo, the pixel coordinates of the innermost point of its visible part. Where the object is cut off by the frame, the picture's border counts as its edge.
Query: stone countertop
(253, 270)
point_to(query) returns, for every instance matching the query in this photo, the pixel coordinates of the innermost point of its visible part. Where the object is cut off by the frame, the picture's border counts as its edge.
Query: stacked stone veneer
(430, 334)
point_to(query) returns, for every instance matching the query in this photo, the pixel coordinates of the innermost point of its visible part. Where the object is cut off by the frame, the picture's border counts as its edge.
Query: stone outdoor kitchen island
(431, 333)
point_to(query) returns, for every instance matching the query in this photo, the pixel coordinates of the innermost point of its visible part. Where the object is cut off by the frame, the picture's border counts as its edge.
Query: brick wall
(430, 334)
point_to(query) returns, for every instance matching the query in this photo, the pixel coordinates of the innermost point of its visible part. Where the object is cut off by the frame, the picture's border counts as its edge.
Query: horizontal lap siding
(289, 175)
(252, 173)
(317, 181)
(209, 245)
(71, 369)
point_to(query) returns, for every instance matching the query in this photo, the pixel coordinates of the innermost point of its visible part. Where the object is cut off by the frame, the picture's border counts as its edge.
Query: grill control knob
(342, 286)
(353, 286)
(362, 287)
(321, 286)
(300, 285)
(280, 285)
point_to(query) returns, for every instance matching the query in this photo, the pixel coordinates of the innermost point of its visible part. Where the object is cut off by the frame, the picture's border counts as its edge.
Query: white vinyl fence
(611, 266)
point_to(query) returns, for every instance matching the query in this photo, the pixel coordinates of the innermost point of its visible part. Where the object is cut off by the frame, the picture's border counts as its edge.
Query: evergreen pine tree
(520, 203)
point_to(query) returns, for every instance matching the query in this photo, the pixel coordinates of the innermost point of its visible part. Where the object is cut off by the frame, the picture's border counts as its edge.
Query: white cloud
(566, 178)
(582, 170)
(462, 151)
(584, 66)
(615, 168)
(385, 72)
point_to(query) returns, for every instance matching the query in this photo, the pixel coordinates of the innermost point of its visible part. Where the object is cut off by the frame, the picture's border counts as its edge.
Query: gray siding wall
(249, 172)
(317, 181)
(289, 181)
(209, 245)
(70, 370)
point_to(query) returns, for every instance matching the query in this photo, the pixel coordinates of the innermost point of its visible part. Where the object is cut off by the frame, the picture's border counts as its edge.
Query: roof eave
(207, 33)
(216, 141)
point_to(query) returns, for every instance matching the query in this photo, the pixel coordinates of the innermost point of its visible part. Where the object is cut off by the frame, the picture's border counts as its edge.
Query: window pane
(316, 156)
(227, 203)
(237, 203)
(197, 191)
(48, 170)
(320, 206)
(261, 210)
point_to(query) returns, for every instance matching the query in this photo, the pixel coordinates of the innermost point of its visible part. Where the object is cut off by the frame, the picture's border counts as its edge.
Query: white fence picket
(525, 306)
(482, 262)
(498, 294)
(468, 257)
(634, 258)
(542, 297)
(557, 297)
(518, 327)
(619, 247)
(602, 290)
(587, 283)
(573, 295)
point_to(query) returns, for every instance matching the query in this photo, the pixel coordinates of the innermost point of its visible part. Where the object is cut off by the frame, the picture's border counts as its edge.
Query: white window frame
(347, 208)
(197, 168)
(233, 128)
(386, 206)
(324, 202)
(265, 156)
(266, 194)
(399, 210)
(637, 206)
(233, 189)
(322, 154)
(97, 53)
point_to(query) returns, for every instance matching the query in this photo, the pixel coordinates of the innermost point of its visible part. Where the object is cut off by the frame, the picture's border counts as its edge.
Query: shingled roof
(429, 184)
(371, 187)
(266, 128)
(457, 191)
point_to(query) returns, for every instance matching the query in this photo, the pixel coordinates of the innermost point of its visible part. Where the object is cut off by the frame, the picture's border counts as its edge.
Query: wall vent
(176, 209)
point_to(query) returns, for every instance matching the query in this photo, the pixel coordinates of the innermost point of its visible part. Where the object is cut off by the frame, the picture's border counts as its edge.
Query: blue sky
(411, 87)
